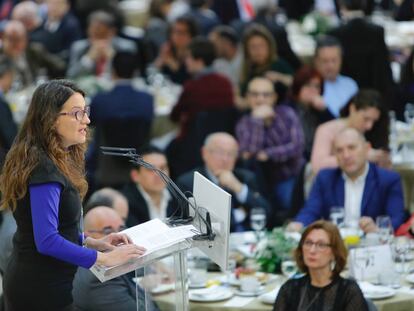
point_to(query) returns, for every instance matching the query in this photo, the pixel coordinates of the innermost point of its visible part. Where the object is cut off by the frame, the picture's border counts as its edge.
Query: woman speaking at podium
(43, 183)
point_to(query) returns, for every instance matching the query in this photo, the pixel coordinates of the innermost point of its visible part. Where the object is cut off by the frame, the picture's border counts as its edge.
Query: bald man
(365, 190)
(111, 198)
(30, 60)
(219, 154)
(116, 294)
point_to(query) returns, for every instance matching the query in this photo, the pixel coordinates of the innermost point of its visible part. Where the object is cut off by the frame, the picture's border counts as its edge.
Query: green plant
(272, 249)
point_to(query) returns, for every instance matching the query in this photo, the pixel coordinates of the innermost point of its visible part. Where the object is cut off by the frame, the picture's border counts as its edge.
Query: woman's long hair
(249, 69)
(38, 135)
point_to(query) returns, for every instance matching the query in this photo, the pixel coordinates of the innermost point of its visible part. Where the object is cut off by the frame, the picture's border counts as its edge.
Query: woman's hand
(120, 255)
(108, 242)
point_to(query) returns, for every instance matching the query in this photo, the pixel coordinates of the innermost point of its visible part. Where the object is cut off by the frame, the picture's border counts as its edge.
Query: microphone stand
(183, 201)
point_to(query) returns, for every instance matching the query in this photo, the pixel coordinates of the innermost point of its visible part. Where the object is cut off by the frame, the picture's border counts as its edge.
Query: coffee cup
(249, 284)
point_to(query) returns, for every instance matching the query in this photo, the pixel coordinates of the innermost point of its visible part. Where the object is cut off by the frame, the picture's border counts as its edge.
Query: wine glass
(385, 229)
(361, 260)
(337, 215)
(257, 220)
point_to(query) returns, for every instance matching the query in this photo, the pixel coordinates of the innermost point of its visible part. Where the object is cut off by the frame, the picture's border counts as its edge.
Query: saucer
(258, 292)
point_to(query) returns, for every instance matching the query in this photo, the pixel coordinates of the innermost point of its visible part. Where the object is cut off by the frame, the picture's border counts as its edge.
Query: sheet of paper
(155, 234)
(237, 302)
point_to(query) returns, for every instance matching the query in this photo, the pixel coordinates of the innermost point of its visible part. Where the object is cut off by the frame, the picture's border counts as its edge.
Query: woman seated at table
(363, 112)
(321, 255)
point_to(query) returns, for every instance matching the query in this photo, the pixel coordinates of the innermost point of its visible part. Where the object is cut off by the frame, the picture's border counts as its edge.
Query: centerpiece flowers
(273, 248)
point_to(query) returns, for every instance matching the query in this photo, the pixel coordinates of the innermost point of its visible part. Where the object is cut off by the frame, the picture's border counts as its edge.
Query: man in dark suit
(219, 155)
(365, 190)
(147, 194)
(117, 294)
(92, 56)
(60, 28)
(116, 114)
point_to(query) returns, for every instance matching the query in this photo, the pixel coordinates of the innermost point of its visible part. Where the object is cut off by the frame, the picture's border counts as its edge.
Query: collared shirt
(230, 68)
(239, 214)
(336, 94)
(155, 211)
(354, 190)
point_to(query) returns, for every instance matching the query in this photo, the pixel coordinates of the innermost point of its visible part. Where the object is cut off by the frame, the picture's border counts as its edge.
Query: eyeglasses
(108, 230)
(319, 246)
(78, 114)
(263, 94)
(222, 153)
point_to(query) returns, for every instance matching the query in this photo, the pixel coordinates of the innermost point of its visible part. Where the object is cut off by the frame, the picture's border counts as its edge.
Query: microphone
(183, 202)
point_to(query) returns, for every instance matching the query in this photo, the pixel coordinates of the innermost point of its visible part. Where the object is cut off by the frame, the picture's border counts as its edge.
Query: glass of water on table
(337, 215)
(258, 220)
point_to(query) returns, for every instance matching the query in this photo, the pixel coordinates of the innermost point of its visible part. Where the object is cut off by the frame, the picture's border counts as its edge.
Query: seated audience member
(147, 193)
(362, 112)
(219, 155)
(365, 190)
(171, 58)
(8, 128)
(229, 55)
(28, 13)
(321, 255)
(93, 56)
(60, 29)
(206, 90)
(272, 136)
(261, 59)
(337, 89)
(116, 294)
(205, 18)
(29, 59)
(111, 198)
(115, 114)
(305, 97)
(8, 131)
(205, 105)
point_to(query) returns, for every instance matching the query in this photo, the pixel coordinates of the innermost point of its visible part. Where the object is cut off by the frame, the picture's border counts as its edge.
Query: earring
(333, 265)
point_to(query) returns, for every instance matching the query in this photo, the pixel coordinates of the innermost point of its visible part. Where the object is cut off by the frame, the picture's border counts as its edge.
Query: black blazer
(138, 207)
(254, 198)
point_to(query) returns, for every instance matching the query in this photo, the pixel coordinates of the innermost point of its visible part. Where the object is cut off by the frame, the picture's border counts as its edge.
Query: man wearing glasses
(116, 294)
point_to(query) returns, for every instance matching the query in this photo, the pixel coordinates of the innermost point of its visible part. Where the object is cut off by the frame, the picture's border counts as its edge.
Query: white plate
(163, 288)
(259, 291)
(380, 292)
(270, 297)
(236, 282)
(211, 294)
(410, 278)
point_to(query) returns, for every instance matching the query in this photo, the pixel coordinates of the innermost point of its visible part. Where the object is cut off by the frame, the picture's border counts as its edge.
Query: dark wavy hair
(38, 135)
(337, 245)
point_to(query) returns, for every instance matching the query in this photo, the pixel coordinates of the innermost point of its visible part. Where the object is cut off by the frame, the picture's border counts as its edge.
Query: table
(400, 302)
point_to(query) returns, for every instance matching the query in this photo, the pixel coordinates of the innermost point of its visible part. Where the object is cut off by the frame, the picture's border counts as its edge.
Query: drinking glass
(409, 113)
(288, 268)
(337, 215)
(400, 246)
(385, 229)
(257, 220)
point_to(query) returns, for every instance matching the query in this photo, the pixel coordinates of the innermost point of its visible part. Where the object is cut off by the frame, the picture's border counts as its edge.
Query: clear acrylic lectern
(208, 198)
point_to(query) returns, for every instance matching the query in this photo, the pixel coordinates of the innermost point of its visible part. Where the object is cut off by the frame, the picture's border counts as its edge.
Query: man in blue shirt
(337, 89)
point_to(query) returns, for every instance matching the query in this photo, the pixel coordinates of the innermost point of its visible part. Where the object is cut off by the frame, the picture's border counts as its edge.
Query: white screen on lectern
(218, 203)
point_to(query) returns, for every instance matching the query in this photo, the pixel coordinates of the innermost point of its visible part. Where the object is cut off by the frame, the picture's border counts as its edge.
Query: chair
(123, 133)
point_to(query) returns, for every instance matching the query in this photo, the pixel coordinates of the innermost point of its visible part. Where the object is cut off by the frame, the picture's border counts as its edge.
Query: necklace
(302, 298)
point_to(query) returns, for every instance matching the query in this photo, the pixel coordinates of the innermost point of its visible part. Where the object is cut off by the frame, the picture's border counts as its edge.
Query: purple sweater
(44, 202)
